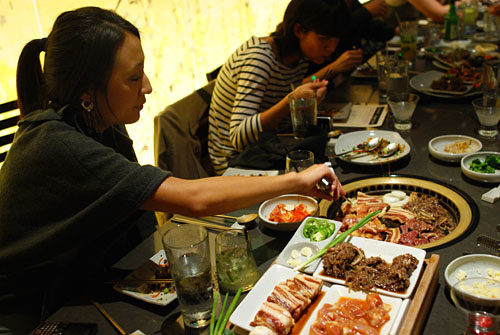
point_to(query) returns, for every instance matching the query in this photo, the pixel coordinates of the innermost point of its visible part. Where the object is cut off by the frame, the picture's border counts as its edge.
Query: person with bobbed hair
(252, 87)
(73, 198)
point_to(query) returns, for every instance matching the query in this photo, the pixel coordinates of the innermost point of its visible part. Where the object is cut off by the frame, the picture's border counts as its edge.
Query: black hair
(324, 17)
(79, 57)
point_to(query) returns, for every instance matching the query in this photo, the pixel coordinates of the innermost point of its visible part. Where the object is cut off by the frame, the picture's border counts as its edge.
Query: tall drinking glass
(408, 37)
(491, 80)
(303, 111)
(187, 250)
(397, 77)
(383, 57)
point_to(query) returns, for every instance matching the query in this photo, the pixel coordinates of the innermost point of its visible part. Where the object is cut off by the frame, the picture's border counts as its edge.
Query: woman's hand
(348, 61)
(317, 85)
(310, 178)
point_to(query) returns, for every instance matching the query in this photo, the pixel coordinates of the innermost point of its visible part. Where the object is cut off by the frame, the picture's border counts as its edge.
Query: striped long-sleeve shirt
(250, 82)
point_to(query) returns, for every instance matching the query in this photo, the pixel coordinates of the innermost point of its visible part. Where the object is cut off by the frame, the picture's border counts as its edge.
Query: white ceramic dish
(288, 199)
(244, 314)
(298, 241)
(476, 265)
(146, 272)
(335, 292)
(422, 83)
(244, 172)
(387, 251)
(483, 177)
(437, 146)
(349, 141)
(440, 65)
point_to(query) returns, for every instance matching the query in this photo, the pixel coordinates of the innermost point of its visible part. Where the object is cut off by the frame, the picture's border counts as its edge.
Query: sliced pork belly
(275, 317)
(292, 300)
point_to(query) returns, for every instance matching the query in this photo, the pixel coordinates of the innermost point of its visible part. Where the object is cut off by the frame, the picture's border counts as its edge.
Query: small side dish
(451, 148)
(317, 229)
(482, 166)
(286, 212)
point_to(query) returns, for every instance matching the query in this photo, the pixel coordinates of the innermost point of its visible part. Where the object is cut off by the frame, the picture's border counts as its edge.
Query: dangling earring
(87, 105)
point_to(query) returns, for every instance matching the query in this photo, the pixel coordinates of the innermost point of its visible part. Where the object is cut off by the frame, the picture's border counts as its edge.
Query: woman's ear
(298, 30)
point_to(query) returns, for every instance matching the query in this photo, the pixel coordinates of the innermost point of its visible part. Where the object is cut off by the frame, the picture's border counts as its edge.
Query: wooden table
(433, 117)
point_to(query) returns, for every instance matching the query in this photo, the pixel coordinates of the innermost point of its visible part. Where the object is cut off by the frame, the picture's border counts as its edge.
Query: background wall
(182, 41)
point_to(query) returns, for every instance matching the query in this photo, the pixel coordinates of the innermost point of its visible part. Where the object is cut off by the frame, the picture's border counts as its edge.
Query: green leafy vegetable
(338, 239)
(482, 167)
(493, 161)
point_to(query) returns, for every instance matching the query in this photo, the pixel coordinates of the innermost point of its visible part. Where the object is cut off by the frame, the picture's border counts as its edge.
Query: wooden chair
(181, 138)
(9, 116)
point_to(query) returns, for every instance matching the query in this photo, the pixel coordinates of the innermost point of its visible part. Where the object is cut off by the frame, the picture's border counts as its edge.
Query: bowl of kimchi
(286, 212)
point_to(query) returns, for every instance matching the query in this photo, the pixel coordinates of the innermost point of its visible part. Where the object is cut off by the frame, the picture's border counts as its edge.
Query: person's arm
(432, 9)
(348, 61)
(208, 196)
(377, 8)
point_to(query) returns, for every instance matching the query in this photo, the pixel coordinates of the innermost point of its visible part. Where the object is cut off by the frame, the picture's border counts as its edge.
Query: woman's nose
(146, 85)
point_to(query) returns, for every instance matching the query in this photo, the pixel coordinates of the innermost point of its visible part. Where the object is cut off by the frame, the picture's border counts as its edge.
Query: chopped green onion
(229, 311)
(338, 239)
(214, 305)
(216, 330)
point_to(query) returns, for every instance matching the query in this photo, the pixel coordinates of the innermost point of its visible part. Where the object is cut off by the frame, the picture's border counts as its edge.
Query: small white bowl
(476, 265)
(437, 144)
(483, 177)
(288, 199)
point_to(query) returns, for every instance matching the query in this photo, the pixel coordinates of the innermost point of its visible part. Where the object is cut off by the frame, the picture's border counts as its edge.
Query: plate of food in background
(152, 282)
(350, 147)
(439, 84)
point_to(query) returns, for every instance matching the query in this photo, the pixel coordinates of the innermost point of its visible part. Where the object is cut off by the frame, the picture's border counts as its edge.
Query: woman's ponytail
(30, 83)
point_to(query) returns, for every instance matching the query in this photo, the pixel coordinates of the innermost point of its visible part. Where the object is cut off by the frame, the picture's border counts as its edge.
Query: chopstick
(108, 317)
(185, 219)
(327, 74)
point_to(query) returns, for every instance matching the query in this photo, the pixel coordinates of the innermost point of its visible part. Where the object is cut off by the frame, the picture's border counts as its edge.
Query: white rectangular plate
(387, 251)
(246, 310)
(147, 272)
(299, 241)
(335, 292)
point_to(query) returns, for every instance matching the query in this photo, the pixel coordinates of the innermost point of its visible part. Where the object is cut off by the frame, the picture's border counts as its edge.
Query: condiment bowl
(478, 176)
(267, 207)
(437, 147)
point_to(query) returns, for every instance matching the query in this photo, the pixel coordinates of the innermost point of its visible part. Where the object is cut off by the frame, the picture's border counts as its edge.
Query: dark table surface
(433, 117)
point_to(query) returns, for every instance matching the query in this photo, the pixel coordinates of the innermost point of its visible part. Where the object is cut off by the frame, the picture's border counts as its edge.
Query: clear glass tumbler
(488, 113)
(188, 254)
(236, 267)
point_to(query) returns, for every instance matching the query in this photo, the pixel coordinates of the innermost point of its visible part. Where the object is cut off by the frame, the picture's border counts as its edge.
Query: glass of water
(188, 254)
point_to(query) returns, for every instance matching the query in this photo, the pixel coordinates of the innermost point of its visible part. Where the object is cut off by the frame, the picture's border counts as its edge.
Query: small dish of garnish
(482, 166)
(286, 212)
(451, 148)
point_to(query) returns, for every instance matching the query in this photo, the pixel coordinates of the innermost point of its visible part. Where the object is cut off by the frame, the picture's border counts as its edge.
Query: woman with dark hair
(250, 94)
(72, 196)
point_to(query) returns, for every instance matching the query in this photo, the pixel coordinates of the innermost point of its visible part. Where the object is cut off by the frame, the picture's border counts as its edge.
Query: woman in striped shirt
(250, 94)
